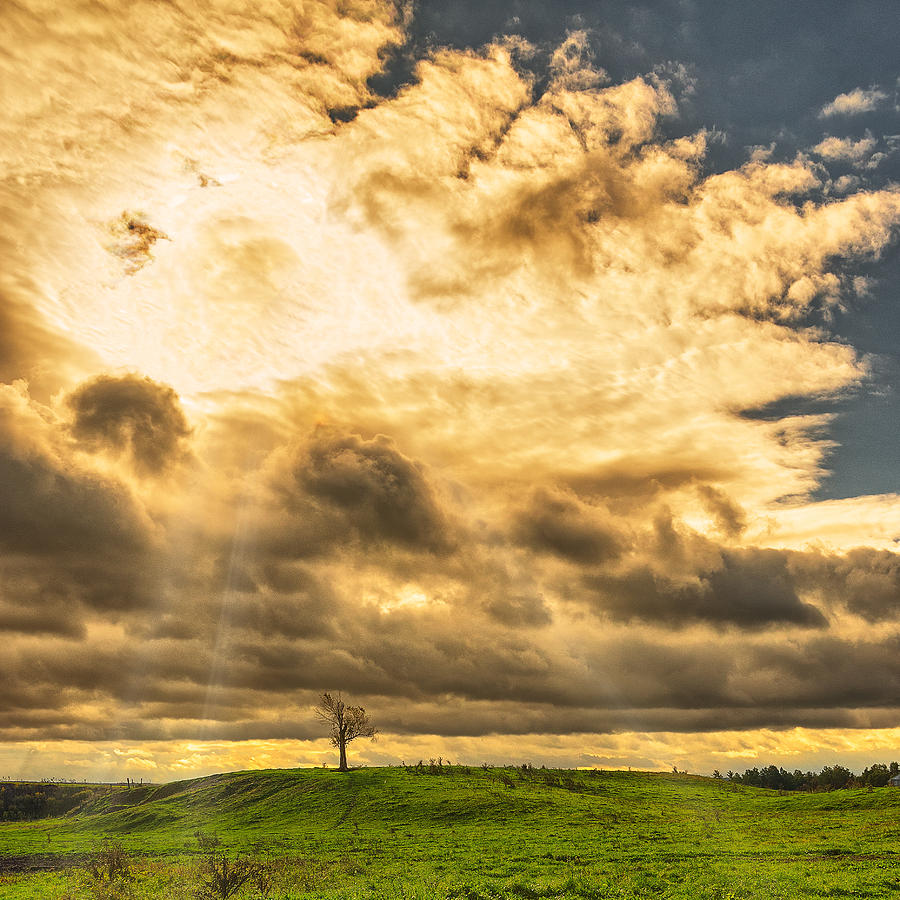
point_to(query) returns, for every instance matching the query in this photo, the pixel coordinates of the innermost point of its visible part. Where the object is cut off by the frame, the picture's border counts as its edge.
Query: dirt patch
(40, 862)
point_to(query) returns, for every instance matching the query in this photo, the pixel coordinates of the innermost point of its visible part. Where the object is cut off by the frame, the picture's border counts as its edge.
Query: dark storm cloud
(637, 481)
(31, 610)
(132, 415)
(864, 581)
(74, 544)
(50, 507)
(418, 659)
(308, 608)
(380, 493)
(747, 588)
(183, 722)
(487, 686)
(868, 582)
(122, 670)
(831, 672)
(59, 593)
(117, 582)
(477, 719)
(518, 611)
(557, 522)
(258, 625)
(288, 579)
(170, 626)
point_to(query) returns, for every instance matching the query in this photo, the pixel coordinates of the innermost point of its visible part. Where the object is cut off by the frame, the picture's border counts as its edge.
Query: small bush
(109, 869)
(207, 840)
(221, 877)
(110, 863)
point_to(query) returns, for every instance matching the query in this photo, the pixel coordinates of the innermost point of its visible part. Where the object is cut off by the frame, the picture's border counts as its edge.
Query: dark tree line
(831, 778)
(21, 801)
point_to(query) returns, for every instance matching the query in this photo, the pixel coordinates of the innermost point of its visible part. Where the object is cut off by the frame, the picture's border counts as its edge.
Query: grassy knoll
(394, 834)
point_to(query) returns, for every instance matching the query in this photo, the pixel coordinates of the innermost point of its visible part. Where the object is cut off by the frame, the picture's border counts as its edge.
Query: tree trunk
(342, 746)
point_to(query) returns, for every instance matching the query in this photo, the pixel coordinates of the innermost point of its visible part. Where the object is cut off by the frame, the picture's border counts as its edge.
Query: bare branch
(330, 709)
(358, 724)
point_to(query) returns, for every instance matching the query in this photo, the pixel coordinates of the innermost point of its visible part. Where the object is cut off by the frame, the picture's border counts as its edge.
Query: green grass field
(390, 833)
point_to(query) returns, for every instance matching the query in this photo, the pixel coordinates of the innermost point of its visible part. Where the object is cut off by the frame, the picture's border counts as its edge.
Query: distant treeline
(23, 800)
(831, 778)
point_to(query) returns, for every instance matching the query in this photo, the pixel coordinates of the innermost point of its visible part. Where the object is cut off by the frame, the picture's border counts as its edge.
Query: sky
(526, 372)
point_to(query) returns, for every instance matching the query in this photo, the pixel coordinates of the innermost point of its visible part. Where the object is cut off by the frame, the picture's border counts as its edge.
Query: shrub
(221, 877)
(109, 869)
(110, 863)
(207, 840)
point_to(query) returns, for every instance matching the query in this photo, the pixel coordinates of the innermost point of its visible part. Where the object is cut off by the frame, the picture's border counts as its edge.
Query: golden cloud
(452, 398)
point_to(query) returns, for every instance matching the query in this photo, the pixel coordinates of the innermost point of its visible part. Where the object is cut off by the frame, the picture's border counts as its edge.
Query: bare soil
(40, 862)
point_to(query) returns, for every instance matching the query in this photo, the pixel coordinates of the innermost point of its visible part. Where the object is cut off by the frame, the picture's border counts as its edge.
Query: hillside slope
(652, 834)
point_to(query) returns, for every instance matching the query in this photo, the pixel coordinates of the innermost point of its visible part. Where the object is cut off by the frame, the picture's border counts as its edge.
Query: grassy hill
(472, 834)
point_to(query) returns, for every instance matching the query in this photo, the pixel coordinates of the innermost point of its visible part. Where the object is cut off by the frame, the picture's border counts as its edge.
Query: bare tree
(346, 723)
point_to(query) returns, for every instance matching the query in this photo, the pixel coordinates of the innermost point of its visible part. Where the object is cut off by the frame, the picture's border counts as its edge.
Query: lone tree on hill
(346, 723)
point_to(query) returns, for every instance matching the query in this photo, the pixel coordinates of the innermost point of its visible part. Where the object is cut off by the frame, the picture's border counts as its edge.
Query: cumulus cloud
(558, 522)
(370, 485)
(132, 415)
(748, 588)
(50, 505)
(833, 148)
(853, 103)
(863, 581)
